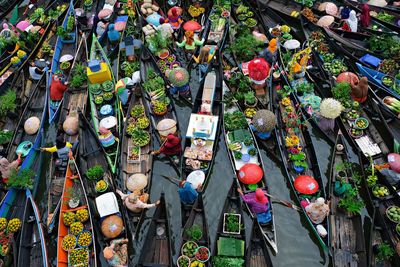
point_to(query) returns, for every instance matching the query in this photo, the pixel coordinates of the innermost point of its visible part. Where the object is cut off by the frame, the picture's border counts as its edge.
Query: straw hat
(380, 3)
(166, 126)
(325, 21)
(70, 125)
(32, 125)
(137, 181)
(264, 121)
(179, 76)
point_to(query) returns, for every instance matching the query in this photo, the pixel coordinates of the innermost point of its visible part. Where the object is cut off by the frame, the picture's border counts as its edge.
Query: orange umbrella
(305, 184)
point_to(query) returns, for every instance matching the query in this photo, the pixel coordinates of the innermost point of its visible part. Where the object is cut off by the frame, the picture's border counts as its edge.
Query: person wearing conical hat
(117, 253)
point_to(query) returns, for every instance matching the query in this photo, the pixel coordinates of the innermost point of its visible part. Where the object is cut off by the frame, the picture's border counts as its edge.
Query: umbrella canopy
(31, 125)
(178, 76)
(22, 25)
(305, 184)
(137, 181)
(104, 13)
(250, 173)
(166, 126)
(191, 25)
(291, 44)
(325, 21)
(264, 121)
(258, 69)
(71, 125)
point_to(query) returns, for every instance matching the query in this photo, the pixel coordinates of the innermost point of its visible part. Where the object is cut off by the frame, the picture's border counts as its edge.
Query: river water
(297, 246)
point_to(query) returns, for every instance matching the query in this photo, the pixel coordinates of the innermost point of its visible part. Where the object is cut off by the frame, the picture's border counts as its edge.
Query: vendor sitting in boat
(135, 201)
(204, 59)
(174, 17)
(36, 69)
(117, 253)
(190, 42)
(112, 34)
(58, 87)
(171, 146)
(6, 167)
(62, 147)
(106, 137)
(187, 193)
(258, 204)
(318, 210)
(271, 52)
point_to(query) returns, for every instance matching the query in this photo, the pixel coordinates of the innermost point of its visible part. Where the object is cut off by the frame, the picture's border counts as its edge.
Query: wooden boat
(35, 107)
(35, 42)
(32, 247)
(63, 47)
(267, 230)
(156, 250)
(257, 254)
(92, 154)
(149, 71)
(391, 25)
(225, 240)
(375, 77)
(75, 99)
(350, 244)
(204, 126)
(10, 209)
(311, 168)
(73, 183)
(143, 164)
(197, 219)
(284, 8)
(7, 7)
(112, 153)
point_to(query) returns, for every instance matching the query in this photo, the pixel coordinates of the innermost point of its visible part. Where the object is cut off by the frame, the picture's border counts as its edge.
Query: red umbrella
(250, 173)
(305, 184)
(192, 25)
(258, 69)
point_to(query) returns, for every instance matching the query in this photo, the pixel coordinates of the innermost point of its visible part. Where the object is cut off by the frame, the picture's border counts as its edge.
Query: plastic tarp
(230, 247)
(371, 60)
(107, 204)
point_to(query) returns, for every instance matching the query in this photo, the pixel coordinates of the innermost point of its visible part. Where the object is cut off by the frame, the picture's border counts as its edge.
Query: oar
(172, 179)
(284, 202)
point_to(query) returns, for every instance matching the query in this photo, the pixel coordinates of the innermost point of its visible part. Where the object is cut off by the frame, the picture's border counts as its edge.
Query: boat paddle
(284, 202)
(171, 179)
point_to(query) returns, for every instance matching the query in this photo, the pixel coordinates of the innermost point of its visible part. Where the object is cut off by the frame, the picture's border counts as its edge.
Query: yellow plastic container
(104, 74)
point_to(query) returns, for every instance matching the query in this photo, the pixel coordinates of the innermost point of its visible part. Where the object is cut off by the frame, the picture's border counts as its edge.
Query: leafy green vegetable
(235, 121)
(385, 252)
(246, 46)
(21, 179)
(5, 136)
(220, 261)
(95, 173)
(7, 102)
(341, 91)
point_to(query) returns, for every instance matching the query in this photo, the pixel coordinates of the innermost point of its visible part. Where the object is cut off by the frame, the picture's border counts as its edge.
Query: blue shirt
(262, 136)
(187, 194)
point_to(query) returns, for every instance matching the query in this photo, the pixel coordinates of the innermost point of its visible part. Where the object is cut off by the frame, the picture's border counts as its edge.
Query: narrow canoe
(32, 247)
(156, 250)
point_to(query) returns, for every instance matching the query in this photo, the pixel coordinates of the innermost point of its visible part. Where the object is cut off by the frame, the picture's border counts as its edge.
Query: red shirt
(57, 90)
(172, 146)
